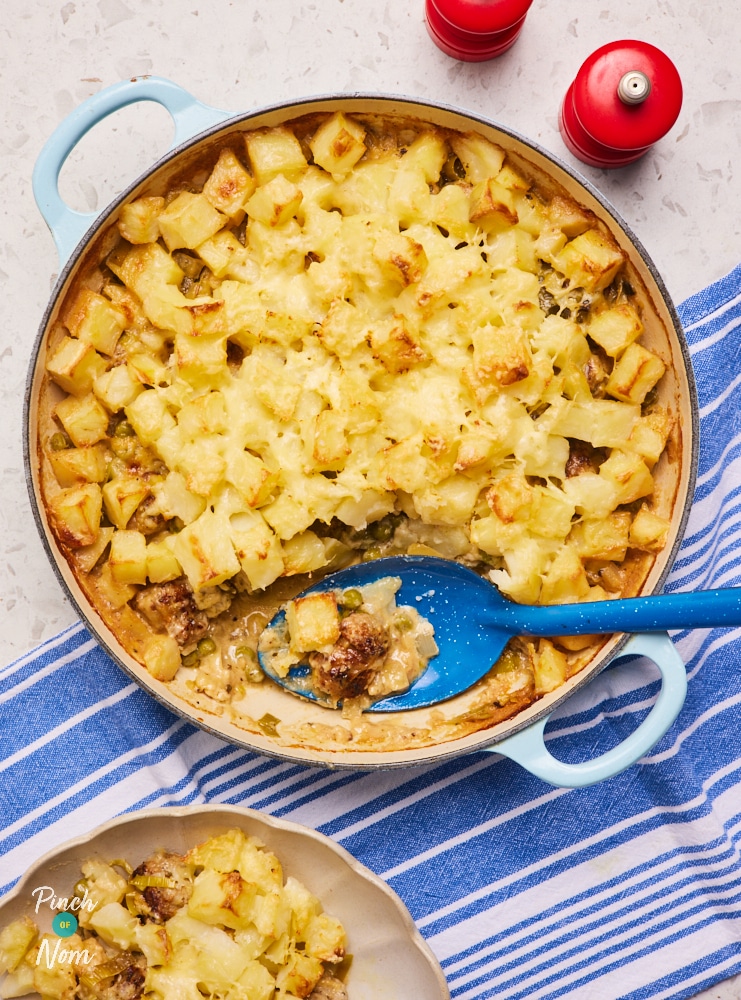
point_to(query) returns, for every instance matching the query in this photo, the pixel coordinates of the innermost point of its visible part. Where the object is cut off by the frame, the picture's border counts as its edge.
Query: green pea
(403, 623)
(352, 599)
(381, 530)
(374, 552)
(247, 652)
(60, 441)
(206, 646)
(191, 659)
(124, 430)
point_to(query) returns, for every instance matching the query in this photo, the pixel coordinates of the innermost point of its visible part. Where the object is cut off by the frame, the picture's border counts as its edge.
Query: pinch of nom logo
(63, 925)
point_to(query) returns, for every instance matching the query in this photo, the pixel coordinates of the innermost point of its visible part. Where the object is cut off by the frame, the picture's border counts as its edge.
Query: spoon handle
(699, 609)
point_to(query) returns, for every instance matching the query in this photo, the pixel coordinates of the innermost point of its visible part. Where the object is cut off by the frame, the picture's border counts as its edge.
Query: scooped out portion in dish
(218, 921)
(349, 647)
(339, 338)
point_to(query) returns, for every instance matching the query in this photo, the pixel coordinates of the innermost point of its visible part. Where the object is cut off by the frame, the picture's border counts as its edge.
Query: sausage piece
(349, 668)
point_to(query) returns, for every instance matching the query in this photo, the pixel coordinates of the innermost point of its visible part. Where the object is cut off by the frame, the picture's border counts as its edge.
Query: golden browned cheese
(350, 337)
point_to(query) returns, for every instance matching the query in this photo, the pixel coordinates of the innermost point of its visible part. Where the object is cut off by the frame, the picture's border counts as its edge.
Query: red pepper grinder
(625, 97)
(475, 30)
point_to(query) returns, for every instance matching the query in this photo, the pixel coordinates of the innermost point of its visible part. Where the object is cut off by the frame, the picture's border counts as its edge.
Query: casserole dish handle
(528, 749)
(189, 115)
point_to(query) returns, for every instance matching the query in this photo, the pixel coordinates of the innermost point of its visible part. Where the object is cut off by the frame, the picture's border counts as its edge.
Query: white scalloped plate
(391, 960)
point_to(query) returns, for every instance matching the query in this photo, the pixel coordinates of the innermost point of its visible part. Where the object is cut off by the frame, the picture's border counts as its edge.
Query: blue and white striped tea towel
(629, 889)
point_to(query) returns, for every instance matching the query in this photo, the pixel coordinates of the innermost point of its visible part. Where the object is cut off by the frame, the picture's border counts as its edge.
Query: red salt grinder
(475, 30)
(625, 97)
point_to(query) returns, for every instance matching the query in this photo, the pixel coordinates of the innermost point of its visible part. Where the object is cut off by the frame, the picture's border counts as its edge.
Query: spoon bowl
(473, 622)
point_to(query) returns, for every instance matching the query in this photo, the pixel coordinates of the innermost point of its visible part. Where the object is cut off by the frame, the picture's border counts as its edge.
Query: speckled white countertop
(683, 199)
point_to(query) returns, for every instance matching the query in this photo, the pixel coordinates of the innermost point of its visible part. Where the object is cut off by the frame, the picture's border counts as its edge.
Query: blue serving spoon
(473, 622)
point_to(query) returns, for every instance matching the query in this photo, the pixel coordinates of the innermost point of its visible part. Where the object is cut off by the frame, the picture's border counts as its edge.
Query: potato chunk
(313, 622)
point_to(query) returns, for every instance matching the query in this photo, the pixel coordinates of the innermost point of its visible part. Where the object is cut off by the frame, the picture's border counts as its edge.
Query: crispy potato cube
(95, 320)
(128, 557)
(251, 476)
(511, 498)
(204, 550)
(426, 156)
(649, 436)
(202, 464)
(451, 501)
(161, 562)
(167, 308)
(149, 416)
(15, 940)
(629, 473)
(403, 467)
(337, 144)
(481, 159)
(225, 256)
(87, 557)
(222, 898)
(200, 360)
(649, 531)
(400, 257)
(146, 268)
(188, 220)
(229, 185)
(509, 178)
(83, 418)
(606, 538)
(80, 465)
(395, 346)
(550, 668)
(162, 660)
(615, 329)
(19, 983)
(591, 260)
(371, 506)
(592, 494)
(287, 516)
(492, 204)
(449, 208)
(473, 449)
(206, 414)
(602, 422)
(148, 370)
(299, 975)
(257, 548)
(174, 498)
(75, 365)
(565, 580)
(521, 580)
(570, 218)
(313, 622)
(54, 980)
(121, 497)
(325, 938)
(501, 355)
(275, 202)
(342, 329)
(76, 514)
(138, 220)
(331, 448)
(274, 151)
(304, 553)
(635, 373)
(551, 513)
(117, 388)
(221, 853)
